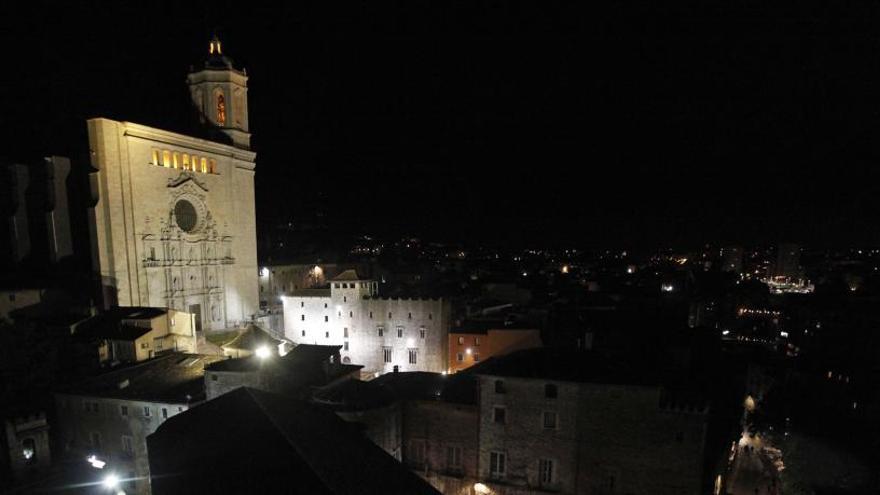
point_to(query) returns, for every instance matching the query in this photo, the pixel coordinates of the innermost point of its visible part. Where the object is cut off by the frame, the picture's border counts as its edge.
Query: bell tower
(219, 92)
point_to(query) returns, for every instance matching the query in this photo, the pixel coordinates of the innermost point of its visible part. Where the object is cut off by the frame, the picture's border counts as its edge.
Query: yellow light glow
(482, 489)
(204, 165)
(155, 157)
(185, 161)
(166, 158)
(176, 159)
(564, 268)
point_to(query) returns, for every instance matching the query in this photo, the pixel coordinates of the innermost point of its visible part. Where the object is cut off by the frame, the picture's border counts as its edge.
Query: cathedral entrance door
(196, 309)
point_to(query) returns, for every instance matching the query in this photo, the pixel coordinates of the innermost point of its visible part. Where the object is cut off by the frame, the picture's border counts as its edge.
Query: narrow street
(753, 472)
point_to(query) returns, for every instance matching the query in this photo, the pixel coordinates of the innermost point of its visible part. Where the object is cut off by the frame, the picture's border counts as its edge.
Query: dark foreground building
(250, 441)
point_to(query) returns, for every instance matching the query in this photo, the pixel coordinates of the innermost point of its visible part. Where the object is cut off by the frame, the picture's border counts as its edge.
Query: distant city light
(264, 272)
(783, 334)
(667, 288)
(564, 268)
(263, 352)
(725, 332)
(630, 269)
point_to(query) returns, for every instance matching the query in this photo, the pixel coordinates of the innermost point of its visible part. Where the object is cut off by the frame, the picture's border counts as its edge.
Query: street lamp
(263, 352)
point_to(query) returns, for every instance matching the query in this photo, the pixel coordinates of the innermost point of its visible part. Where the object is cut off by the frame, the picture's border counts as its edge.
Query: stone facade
(115, 431)
(27, 445)
(598, 439)
(377, 333)
(173, 219)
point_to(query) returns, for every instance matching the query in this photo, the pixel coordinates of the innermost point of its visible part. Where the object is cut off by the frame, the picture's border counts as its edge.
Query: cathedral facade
(173, 221)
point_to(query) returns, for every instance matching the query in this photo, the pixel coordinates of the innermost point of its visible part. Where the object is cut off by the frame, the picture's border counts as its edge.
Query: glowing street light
(111, 481)
(263, 352)
(95, 462)
(482, 489)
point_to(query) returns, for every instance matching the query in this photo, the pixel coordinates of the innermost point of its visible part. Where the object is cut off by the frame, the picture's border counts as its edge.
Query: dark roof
(354, 395)
(347, 276)
(303, 355)
(283, 446)
(174, 378)
(569, 365)
(482, 326)
(108, 325)
(422, 385)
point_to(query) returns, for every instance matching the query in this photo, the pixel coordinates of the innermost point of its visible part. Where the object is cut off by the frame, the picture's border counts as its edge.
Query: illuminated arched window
(185, 161)
(176, 159)
(221, 109)
(155, 157)
(166, 158)
(204, 165)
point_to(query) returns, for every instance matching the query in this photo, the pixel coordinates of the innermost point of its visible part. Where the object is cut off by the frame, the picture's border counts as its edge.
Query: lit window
(204, 165)
(29, 450)
(166, 158)
(185, 158)
(497, 461)
(156, 157)
(176, 157)
(461, 341)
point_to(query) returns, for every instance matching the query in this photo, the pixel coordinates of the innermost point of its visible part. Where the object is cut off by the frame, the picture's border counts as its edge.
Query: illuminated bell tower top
(219, 92)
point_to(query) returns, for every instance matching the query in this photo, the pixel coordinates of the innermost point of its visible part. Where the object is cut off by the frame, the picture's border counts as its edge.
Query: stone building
(572, 422)
(173, 217)
(25, 442)
(133, 334)
(111, 415)
(295, 374)
(478, 340)
(381, 334)
(283, 446)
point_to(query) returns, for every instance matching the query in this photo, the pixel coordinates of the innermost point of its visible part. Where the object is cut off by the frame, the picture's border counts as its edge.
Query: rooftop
(347, 276)
(172, 378)
(284, 445)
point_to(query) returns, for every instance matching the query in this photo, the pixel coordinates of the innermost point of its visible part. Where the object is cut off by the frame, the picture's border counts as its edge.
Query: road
(752, 471)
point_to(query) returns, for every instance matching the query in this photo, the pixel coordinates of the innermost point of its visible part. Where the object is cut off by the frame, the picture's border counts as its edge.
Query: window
(185, 161)
(497, 461)
(155, 157)
(476, 341)
(95, 439)
(325, 305)
(499, 387)
(413, 356)
(461, 341)
(326, 335)
(453, 457)
(345, 299)
(410, 316)
(147, 412)
(550, 391)
(386, 354)
(127, 445)
(176, 159)
(345, 332)
(399, 332)
(302, 304)
(381, 331)
(549, 420)
(123, 410)
(389, 315)
(345, 345)
(545, 471)
(336, 285)
(430, 316)
(302, 317)
(303, 333)
(166, 158)
(499, 415)
(460, 357)
(476, 357)
(326, 318)
(164, 413)
(371, 314)
(422, 332)
(351, 314)
(417, 452)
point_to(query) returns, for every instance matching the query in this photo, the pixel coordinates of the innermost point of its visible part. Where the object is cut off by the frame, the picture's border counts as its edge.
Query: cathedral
(173, 218)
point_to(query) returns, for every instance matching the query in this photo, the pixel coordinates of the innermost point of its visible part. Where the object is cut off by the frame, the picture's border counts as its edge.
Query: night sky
(491, 122)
